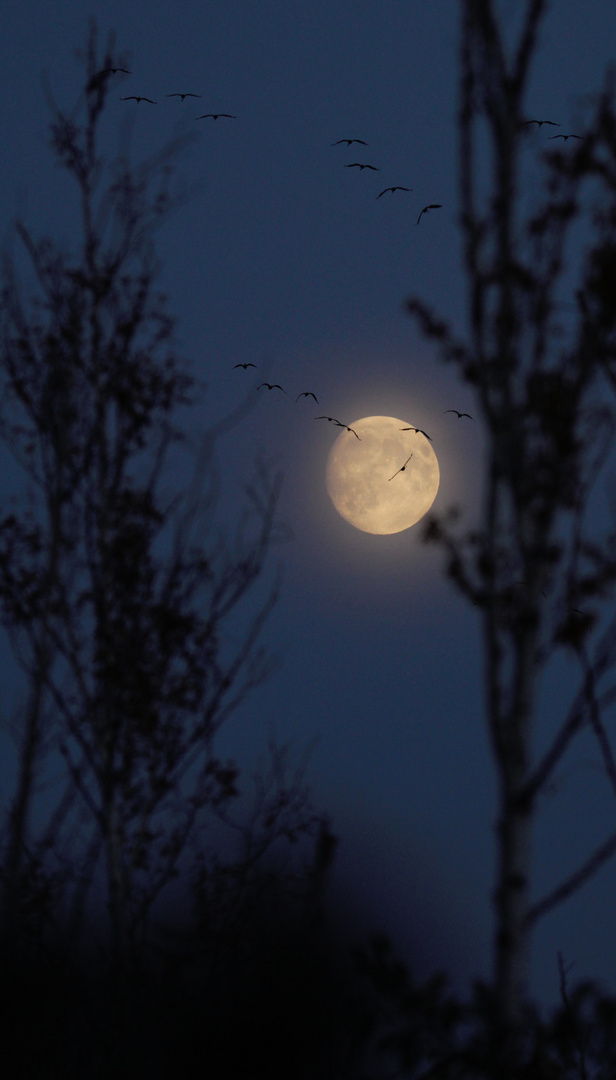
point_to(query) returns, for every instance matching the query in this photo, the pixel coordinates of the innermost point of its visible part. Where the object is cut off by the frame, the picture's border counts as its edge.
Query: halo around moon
(359, 470)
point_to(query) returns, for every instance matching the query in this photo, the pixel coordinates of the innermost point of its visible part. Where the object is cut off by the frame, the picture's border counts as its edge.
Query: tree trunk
(514, 833)
(512, 941)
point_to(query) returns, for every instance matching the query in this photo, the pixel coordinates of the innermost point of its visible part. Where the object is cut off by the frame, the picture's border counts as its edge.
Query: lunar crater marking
(358, 472)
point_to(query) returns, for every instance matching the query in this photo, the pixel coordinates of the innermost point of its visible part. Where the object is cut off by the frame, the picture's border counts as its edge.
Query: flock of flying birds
(397, 187)
(333, 420)
(426, 209)
(374, 168)
(106, 72)
(347, 142)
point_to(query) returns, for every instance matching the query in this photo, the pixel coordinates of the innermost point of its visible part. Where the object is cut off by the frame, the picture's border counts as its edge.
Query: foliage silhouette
(119, 620)
(539, 576)
(136, 638)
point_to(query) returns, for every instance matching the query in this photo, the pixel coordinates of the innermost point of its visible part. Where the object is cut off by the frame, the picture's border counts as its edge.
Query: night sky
(280, 256)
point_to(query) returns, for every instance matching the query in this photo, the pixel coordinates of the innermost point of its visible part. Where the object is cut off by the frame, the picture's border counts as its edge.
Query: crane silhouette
(332, 419)
(417, 430)
(349, 142)
(182, 96)
(133, 97)
(459, 414)
(426, 210)
(403, 467)
(307, 393)
(215, 116)
(398, 187)
(357, 165)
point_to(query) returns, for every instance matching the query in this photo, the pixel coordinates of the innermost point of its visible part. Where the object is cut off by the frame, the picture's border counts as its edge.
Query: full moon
(370, 481)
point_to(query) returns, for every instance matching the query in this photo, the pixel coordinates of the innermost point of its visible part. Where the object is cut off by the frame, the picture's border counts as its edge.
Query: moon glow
(359, 470)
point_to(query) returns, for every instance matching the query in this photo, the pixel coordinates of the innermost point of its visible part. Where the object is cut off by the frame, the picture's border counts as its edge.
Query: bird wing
(402, 468)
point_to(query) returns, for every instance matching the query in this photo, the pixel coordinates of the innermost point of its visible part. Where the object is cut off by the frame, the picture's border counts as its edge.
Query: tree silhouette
(136, 638)
(535, 569)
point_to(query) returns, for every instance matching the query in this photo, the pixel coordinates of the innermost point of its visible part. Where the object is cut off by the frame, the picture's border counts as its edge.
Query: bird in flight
(356, 165)
(215, 116)
(417, 431)
(349, 142)
(271, 386)
(138, 99)
(97, 80)
(540, 123)
(403, 467)
(183, 95)
(244, 365)
(459, 414)
(398, 187)
(332, 419)
(307, 393)
(565, 137)
(426, 209)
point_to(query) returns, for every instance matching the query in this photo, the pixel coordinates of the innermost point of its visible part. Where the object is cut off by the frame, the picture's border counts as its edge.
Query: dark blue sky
(283, 257)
